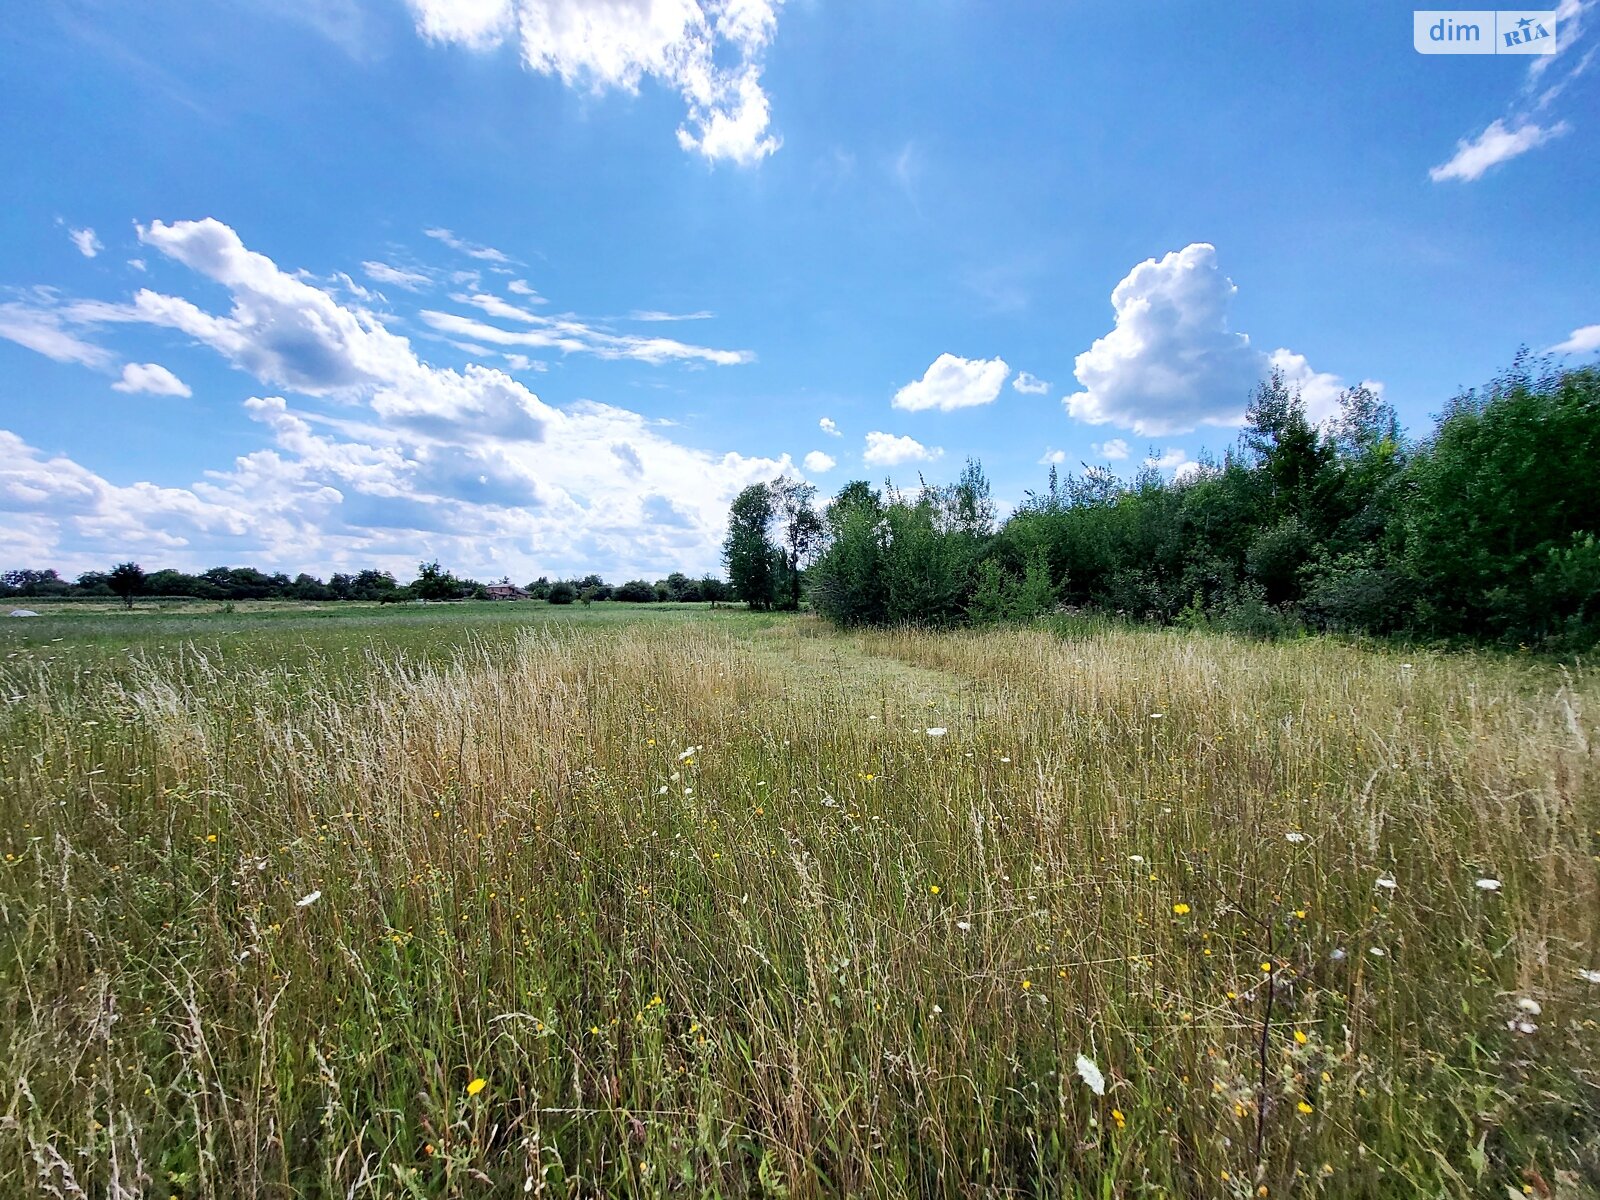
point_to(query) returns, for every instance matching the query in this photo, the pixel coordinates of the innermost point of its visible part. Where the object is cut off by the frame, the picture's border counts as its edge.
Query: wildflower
(1116, 1115)
(1529, 1006)
(1157, 716)
(1136, 858)
(308, 900)
(476, 1086)
(1386, 882)
(1026, 984)
(1299, 1036)
(1525, 1027)
(963, 925)
(1267, 967)
(1181, 909)
(1089, 1072)
(937, 731)
(688, 754)
(1295, 836)
(936, 1010)
(1488, 885)
(933, 889)
(1375, 951)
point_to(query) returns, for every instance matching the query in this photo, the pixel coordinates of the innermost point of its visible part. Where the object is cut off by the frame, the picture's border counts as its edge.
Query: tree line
(1486, 529)
(128, 581)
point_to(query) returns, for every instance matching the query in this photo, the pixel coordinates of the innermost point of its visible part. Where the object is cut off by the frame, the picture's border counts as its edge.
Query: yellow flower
(1181, 909)
(1300, 1037)
(1026, 984)
(1304, 1107)
(1266, 966)
(933, 889)
(476, 1086)
(1116, 1115)
(211, 837)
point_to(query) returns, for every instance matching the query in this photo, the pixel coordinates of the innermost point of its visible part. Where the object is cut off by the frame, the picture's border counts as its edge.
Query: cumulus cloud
(85, 240)
(710, 51)
(378, 458)
(887, 450)
(828, 427)
(1172, 363)
(817, 462)
(953, 382)
(1052, 458)
(1113, 450)
(1030, 385)
(1582, 341)
(152, 379)
(1496, 144)
(383, 272)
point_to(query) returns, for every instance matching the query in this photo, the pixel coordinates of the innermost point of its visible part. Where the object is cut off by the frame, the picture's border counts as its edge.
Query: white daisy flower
(1529, 1006)
(1295, 836)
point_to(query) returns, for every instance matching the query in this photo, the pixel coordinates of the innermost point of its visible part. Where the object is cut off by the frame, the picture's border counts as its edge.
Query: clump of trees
(1486, 529)
(126, 581)
(773, 532)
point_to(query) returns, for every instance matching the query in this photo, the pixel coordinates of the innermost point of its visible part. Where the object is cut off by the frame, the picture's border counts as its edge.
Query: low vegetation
(452, 901)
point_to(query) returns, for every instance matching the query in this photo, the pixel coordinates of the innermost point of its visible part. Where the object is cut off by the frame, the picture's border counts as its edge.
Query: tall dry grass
(268, 915)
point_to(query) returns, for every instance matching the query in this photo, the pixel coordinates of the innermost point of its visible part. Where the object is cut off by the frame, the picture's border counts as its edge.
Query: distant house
(505, 591)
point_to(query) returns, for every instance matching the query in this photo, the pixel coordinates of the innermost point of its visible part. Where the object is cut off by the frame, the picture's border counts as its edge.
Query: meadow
(506, 900)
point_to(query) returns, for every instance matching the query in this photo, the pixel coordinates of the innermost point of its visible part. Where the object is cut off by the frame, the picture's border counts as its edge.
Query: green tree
(127, 581)
(799, 530)
(433, 582)
(748, 551)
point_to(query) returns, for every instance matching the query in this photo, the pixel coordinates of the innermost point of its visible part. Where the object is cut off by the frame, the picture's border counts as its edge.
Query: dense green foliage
(1487, 529)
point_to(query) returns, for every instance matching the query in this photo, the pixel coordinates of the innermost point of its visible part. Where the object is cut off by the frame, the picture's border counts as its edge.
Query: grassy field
(506, 900)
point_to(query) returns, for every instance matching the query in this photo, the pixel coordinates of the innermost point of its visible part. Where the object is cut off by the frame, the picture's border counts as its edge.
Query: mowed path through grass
(500, 900)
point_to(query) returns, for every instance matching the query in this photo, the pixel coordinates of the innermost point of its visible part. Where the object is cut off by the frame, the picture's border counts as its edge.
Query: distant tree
(126, 580)
(561, 592)
(799, 530)
(635, 591)
(539, 589)
(748, 551)
(433, 582)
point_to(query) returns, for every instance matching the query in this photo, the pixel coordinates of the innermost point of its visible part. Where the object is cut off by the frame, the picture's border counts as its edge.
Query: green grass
(827, 953)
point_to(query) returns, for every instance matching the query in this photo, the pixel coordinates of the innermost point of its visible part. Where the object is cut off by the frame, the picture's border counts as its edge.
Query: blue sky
(324, 284)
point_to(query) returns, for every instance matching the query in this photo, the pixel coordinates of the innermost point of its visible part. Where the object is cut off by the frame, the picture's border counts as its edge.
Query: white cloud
(572, 336)
(952, 383)
(1172, 364)
(1052, 458)
(1168, 459)
(710, 51)
(521, 287)
(395, 276)
(1113, 450)
(817, 462)
(470, 249)
(887, 450)
(1319, 391)
(653, 314)
(152, 379)
(42, 331)
(1583, 341)
(1496, 144)
(828, 427)
(1030, 385)
(386, 460)
(84, 239)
